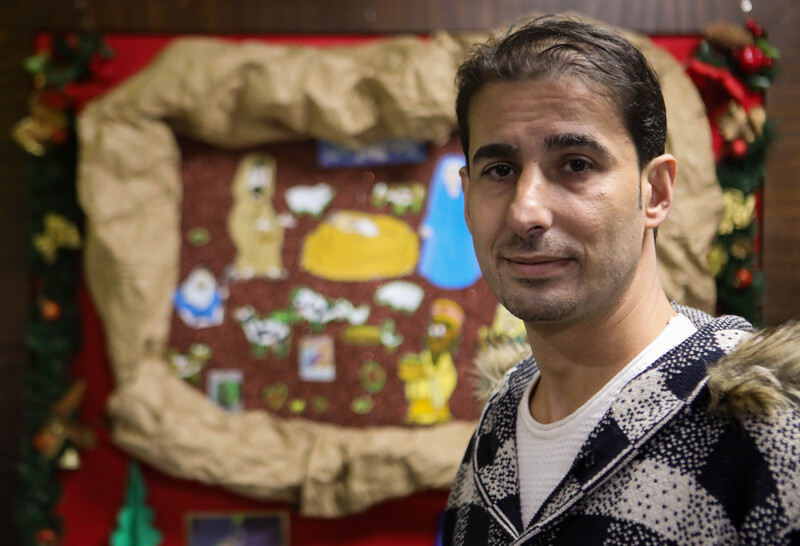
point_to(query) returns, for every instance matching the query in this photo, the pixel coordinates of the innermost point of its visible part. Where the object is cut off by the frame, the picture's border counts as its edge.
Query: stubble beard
(534, 300)
(524, 301)
(557, 300)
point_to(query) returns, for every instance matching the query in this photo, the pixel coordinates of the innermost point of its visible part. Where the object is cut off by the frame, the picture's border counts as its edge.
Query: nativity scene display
(333, 284)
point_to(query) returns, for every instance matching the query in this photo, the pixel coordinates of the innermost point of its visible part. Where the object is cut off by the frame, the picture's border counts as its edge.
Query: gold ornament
(717, 258)
(757, 117)
(739, 211)
(22, 133)
(58, 233)
(741, 247)
(735, 123)
(70, 460)
(44, 126)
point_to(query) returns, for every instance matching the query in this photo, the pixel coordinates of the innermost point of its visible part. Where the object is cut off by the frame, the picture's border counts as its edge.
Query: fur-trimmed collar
(760, 376)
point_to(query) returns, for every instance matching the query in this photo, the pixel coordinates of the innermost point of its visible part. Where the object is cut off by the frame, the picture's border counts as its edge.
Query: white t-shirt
(545, 452)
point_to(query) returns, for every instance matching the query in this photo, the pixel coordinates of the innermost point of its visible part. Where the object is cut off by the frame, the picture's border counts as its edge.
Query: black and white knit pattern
(658, 469)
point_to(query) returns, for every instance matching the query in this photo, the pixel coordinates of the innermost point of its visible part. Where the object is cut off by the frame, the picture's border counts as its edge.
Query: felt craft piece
(253, 223)
(355, 246)
(448, 257)
(373, 334)
(430, 376)
(275, 396)
(199, 300)
(362, 405)
(135, 518)
(297, 405)
(400, 295)
(319, 404)
(402, 197)
(389, 152)
(372, 376)
(190, 365)
(273, 332)
(318, 310)
(316, 359)
(309, 199)
(198, 236)
(249, 94)
(225, 388)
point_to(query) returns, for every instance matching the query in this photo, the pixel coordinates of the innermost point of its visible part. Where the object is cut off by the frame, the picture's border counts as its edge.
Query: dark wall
(20, 18)
(13, 273)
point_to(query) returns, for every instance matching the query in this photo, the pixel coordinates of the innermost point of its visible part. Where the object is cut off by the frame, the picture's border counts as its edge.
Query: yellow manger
(355, 246)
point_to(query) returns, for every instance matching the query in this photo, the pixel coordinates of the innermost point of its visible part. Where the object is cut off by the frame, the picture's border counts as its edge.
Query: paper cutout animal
(253, 224)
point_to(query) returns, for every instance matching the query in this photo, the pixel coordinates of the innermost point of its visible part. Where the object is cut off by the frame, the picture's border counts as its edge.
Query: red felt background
(93, 494)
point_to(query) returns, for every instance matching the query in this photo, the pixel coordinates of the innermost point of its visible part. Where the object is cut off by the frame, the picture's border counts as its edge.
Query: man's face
(553, 199)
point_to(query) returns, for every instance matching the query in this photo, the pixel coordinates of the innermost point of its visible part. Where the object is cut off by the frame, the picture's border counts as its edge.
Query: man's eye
(500, 171)
(578, 165)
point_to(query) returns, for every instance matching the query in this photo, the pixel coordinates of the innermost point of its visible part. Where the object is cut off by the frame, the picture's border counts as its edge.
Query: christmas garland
(733, 67)
(63, 73)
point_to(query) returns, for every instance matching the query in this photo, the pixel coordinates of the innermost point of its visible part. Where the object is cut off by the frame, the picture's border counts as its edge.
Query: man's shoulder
(753, 375)
(759, 377)
(714, 339)
(756, 386)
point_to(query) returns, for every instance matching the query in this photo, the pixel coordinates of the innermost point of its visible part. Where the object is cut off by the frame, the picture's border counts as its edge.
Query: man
(606, 435)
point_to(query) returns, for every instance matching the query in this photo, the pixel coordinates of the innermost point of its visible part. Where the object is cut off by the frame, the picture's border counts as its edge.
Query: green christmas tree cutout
(134, 518)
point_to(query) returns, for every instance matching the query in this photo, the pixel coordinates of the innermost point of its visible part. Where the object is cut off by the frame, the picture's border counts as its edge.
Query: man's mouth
(536, 265)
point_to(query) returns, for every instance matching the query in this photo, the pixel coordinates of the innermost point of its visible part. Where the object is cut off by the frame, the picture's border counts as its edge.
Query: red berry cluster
(751, 58)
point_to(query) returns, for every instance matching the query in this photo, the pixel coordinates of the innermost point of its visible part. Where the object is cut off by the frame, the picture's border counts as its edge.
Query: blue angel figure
(448, 258)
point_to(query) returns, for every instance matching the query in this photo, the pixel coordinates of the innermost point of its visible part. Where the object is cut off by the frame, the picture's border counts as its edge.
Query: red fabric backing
(93, 494)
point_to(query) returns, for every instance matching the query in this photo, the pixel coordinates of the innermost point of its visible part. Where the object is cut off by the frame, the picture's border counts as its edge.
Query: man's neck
(577, 360)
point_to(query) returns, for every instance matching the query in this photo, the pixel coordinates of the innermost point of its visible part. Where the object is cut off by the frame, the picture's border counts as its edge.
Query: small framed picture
(316, 359)
(237, 529)
(225, 388)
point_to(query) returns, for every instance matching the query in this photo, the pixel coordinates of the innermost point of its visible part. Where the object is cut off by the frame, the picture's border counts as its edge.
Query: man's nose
(531, 211)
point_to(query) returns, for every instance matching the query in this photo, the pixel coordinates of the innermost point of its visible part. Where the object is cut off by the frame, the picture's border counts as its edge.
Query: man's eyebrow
(575, 140)
(495, 151)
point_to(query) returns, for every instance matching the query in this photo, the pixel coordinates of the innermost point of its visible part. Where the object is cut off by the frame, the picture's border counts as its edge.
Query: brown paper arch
(240, 95)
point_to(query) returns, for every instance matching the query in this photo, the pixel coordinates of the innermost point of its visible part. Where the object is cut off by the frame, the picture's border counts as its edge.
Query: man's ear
(658, 182)
(464, 173)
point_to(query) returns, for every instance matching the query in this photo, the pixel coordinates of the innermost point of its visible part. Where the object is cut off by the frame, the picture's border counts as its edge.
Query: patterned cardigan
(661, 467)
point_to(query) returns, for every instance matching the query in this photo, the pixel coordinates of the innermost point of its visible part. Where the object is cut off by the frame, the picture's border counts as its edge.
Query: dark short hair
(555, 46)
